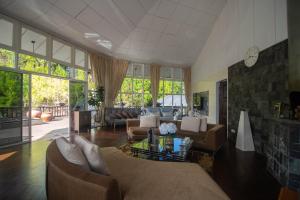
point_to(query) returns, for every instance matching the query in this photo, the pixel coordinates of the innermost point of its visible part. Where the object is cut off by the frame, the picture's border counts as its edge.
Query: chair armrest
(132, 123)
(216, 137)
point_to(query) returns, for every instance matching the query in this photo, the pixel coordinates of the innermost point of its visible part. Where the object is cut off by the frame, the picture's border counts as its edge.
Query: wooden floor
(241, 175)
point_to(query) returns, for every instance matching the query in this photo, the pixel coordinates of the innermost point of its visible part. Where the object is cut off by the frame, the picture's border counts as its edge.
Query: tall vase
(244, 140)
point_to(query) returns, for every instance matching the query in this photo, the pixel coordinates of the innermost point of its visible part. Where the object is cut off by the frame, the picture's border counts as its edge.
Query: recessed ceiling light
(105, 43)
(91, 35)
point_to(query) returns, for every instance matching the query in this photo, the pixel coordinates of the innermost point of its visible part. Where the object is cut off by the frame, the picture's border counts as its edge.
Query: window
(33, 42)
(61, 52)
(60, 70)
(6, 32)
(79, 58)
(91, 83)
(7, 58)
(136, 87)
(79, 74)
(34, 64)
(171, 88)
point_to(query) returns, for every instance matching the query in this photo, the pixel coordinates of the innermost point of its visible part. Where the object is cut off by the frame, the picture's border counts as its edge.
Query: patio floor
(51, 130)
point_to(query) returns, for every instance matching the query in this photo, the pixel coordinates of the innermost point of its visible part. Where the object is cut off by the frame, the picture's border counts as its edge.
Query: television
(200, 102)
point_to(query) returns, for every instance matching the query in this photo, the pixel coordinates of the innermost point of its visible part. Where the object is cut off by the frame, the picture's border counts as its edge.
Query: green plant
(97, 97)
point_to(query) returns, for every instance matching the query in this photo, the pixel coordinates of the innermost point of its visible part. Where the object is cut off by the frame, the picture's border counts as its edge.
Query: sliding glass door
(11, 113)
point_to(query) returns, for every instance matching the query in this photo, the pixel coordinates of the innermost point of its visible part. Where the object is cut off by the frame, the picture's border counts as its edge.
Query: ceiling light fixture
(91, 35)
(105, 43)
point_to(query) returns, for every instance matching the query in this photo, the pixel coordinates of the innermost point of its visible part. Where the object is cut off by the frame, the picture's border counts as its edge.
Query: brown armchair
(211, 140)
(135, 132)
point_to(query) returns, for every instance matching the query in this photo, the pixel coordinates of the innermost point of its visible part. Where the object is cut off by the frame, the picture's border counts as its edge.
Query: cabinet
(81, 121)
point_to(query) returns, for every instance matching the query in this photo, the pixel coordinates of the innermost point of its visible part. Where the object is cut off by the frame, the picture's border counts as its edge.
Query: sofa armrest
(215, 137)
(132, 123)
(68, 181)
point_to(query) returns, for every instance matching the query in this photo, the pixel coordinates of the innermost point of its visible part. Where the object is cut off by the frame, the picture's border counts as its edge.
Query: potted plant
(97, 100)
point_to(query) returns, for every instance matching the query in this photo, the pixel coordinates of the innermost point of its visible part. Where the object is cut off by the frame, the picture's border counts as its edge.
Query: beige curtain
(155, 76)
(187, 85)
(115, 76)
(99, 64)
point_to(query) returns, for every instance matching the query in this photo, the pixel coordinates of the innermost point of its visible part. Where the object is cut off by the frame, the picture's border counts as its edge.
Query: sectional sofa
(130, 178)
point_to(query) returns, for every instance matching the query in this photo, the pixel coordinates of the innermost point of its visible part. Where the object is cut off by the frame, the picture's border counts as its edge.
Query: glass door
(11, 108)
(77, 99)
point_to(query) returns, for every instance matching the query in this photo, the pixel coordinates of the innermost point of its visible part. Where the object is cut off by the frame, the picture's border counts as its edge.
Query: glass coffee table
(164, 148)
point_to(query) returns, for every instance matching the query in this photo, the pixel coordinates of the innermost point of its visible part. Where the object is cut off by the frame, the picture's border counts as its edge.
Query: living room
(162, 99)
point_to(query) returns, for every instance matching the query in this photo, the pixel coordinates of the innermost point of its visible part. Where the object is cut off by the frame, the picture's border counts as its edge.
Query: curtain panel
(155, 77)
(115, 77)
(187, 85)
(99, 64)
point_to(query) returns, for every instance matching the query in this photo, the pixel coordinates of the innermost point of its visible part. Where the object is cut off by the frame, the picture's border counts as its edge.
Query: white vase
(244, 140)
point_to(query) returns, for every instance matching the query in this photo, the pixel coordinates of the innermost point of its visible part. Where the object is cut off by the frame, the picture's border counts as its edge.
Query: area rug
(205, 160)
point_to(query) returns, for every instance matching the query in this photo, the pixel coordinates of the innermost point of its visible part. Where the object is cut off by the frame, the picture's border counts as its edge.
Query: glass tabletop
(169, 147)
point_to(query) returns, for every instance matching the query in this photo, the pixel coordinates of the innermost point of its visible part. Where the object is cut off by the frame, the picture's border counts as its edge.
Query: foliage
(59, 70)
(77, 99)
(96, 97)
(34, 64)
(10, 89)
(134, 89)
(7, 58)
(91, 83)
(49, 91)
(79, 74)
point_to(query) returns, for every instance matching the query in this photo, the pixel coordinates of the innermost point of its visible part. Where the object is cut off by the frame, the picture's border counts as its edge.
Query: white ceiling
(163, 31)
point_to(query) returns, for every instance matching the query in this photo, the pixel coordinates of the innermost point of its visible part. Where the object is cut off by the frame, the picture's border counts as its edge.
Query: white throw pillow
(190, 124)
(72, 153)
(92, 154)
(148, 121)
(203, 125)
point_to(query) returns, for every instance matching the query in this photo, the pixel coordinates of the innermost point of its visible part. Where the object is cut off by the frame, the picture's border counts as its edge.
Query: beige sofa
(130, 179)
(211, 140)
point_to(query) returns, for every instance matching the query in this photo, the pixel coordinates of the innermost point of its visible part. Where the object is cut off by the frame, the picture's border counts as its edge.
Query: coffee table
(163, 148)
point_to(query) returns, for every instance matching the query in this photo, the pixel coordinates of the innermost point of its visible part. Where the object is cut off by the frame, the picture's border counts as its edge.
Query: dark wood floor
(242, 175)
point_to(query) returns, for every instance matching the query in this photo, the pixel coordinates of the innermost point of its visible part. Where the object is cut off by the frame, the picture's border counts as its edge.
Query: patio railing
(57, 111)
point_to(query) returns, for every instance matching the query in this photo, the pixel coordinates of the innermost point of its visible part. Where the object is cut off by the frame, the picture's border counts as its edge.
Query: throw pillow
(71, 153)
(92, 154)
(131, 115)
(203, 125)
(125, 114)
(118, 115)
(148, 121)
(190, 124)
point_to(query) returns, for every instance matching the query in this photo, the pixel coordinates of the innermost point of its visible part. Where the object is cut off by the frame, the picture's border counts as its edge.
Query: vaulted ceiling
(163, 31)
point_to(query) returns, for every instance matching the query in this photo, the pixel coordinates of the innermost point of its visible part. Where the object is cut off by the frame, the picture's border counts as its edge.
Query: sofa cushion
(114, 116)
(72, 153)
(131, 115)
(118, 115)
(203, 124)
(92, 154)
(190, 124)
(125, 114)
(148, 121)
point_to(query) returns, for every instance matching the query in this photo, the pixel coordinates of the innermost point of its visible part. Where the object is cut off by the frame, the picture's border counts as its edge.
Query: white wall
(242, 24)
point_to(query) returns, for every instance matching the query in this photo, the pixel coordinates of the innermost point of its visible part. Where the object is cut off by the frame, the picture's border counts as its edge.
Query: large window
(171, 88)
(61, 51)
(6, 32)
(33, 42)
(136, 87)
(7, 58)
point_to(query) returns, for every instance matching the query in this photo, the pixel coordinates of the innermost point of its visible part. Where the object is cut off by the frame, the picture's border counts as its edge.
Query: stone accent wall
(255, 89)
